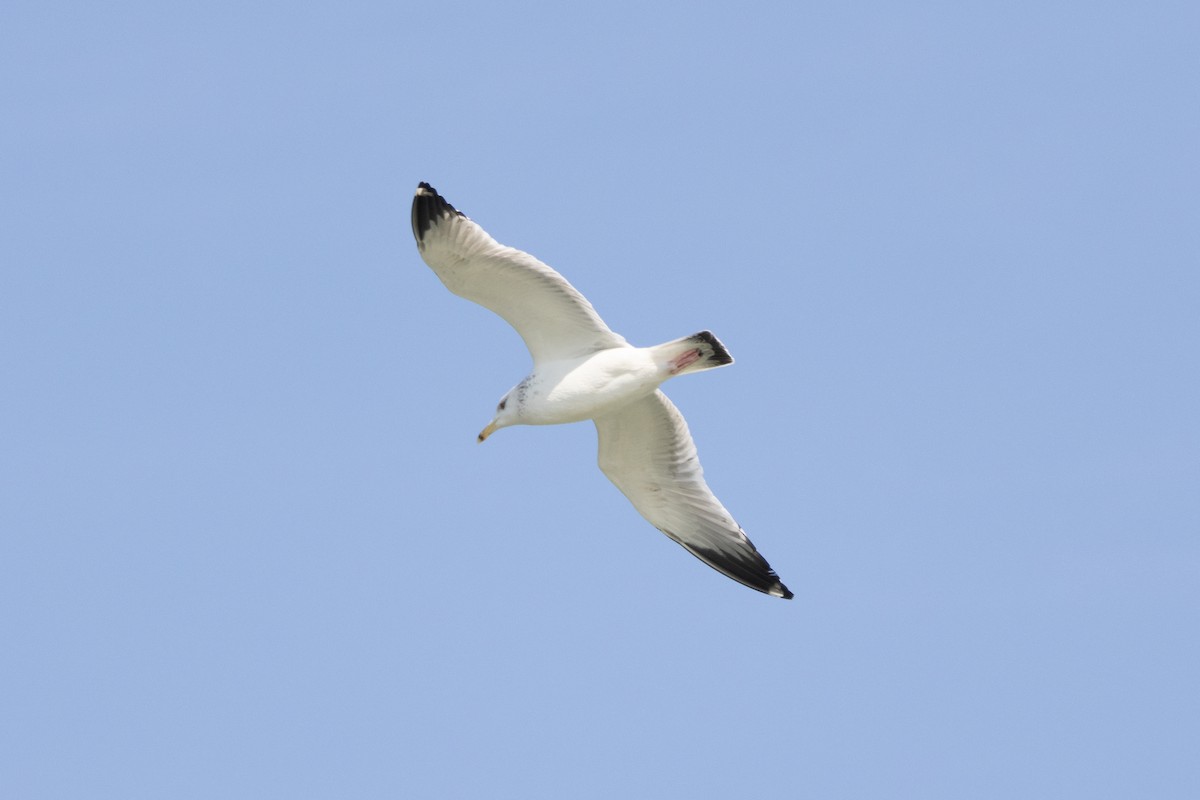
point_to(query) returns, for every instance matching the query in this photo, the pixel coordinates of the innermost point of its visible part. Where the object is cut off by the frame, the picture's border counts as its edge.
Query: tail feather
(715, 353)
(694, 353)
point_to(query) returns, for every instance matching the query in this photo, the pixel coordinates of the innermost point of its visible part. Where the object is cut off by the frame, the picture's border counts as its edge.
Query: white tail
(692, 354)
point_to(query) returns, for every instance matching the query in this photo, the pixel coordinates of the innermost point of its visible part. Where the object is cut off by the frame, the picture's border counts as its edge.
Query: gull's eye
(503, 403)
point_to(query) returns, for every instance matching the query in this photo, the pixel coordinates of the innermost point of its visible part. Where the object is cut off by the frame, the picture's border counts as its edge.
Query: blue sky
(249, 547)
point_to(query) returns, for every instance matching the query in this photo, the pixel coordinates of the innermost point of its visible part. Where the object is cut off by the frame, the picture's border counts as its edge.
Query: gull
(583, 370)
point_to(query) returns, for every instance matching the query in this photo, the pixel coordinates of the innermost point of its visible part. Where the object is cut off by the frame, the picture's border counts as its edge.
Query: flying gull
(582, 370)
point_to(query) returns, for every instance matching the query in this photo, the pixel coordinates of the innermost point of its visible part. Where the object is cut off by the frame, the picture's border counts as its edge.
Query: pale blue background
(250, 548)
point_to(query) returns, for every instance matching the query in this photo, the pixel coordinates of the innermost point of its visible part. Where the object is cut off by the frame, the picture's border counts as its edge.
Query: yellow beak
(486, 432)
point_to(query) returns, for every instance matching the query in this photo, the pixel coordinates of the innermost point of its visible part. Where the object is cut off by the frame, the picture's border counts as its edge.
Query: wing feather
(648, 452)
(554, 319)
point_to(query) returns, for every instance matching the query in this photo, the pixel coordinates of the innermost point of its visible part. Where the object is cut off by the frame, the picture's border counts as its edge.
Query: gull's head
(507, 413)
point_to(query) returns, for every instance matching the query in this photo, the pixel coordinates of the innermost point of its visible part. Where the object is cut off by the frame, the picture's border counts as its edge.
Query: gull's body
(583, 370)
(575, 389)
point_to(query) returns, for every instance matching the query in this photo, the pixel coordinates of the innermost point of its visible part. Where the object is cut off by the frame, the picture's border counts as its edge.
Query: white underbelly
(576, 391)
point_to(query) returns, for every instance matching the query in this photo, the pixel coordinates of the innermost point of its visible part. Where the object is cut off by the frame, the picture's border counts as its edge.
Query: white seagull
(582, 370)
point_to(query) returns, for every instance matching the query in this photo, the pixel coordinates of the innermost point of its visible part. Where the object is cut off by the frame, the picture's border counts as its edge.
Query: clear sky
(249, 547)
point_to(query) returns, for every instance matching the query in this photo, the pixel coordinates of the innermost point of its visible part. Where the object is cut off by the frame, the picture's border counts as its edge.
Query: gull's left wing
(647, 451)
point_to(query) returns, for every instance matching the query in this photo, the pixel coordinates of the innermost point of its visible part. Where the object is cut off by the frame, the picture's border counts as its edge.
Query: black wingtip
(775, 589)
(747, 568)
(428, 207)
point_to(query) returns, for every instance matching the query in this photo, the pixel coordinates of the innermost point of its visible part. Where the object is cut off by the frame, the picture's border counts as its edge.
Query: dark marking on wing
(427, 208)
(747, 568)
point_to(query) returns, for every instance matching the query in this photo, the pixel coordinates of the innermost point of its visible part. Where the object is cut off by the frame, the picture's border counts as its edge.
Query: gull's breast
(571, 391)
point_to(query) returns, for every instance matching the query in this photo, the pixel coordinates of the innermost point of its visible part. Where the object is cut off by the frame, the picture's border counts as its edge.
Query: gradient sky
(249, 547)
